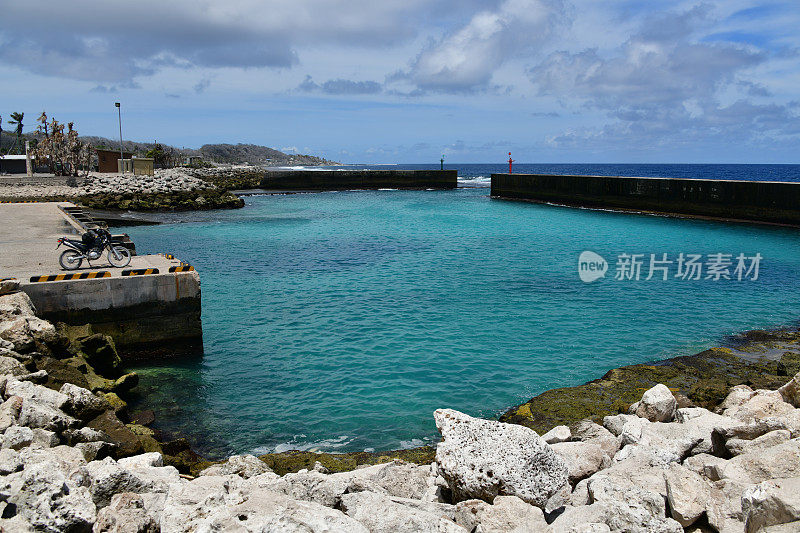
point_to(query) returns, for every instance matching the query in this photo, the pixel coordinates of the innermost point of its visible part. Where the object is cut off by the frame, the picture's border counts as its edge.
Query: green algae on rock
(292, 461)
(703, 379)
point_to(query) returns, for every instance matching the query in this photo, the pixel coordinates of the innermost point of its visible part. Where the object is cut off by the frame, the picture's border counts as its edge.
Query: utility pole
(28, 166)
(121, 155)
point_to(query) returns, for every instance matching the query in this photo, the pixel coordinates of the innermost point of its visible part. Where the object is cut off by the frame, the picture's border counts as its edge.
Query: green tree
(16, 118)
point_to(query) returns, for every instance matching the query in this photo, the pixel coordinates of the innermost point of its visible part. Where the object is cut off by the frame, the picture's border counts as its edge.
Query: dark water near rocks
(339, 321)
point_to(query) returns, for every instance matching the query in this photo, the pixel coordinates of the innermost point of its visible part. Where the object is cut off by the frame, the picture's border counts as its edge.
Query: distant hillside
(215, 153)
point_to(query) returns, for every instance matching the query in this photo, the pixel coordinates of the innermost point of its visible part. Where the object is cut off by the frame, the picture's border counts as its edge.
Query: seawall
(747, 201)
(321, 180)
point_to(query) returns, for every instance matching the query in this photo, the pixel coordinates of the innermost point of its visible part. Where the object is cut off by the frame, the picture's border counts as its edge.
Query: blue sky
(408, 80)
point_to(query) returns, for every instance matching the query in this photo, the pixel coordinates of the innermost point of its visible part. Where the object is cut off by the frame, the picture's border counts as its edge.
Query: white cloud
(465, 59)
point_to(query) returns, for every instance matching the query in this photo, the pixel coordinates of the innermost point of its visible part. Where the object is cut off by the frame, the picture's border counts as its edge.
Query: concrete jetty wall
(147, 316)
(359, 179)
(750, 201)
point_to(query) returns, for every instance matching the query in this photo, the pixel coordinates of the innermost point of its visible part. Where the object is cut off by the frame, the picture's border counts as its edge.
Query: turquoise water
(339, 321)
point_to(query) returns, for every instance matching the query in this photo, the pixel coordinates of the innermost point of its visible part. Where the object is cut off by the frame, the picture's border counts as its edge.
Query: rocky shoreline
(73, 458)
(177, 189)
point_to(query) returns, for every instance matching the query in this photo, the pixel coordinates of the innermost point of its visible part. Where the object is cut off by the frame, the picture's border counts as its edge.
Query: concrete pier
(150, 308)
(766, 202)
(322, 180)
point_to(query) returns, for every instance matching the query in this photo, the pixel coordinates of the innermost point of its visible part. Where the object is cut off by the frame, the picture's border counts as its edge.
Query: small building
(193, 160)
(107, 160)
(13, 164)
(142, 166)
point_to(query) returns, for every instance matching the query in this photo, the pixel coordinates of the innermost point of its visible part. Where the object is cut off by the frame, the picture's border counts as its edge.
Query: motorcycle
(91, 247)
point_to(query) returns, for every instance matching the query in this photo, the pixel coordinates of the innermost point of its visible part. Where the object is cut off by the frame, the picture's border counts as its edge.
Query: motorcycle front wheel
(119, 256)
(70, 260)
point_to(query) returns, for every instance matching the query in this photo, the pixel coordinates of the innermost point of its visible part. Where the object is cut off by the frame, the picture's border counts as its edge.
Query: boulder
(94, 451)
(482, 459)
(583, 458)
(67, 459)
(125, 383)
(10, 461)
(781, 461)
(9, 412)
(587, 431)
(771, 503)
(657, 404)
(128, 443)
(245, 466)
(737, 395)
(762, 404)
(84, 434)
(688, 494)
(382, 515)
(8, 286)
(557, 434)
(508, 514)
(262, 511)
(398, 479)
(39, 415)
(15, 305)
(768, 440)
(108, 478)
(9, 365)
(17, 437)
(790, 392)
(82, 403)
(30, 391)
(615, 423)
(126, 513)
(50, 502)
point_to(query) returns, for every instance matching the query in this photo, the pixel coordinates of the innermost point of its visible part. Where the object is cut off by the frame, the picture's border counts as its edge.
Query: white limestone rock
(557, 434)
(482, 459)
(38, 393)
(688, 494)
(380, 514)
(583, 459)
(508, 514)
(17, 437)
(587, 431)
(266, 511)
(35, 414)
(615, 423)
(10, 366)
(781, 461)
(657, 404)
(10, 461)
(768, 440)
(9, 412)
(245, 466)
(790, 392)
(50, 502)
(82, 403)
(762, 404)
(108, 478)
(127, 512)
(771, 503)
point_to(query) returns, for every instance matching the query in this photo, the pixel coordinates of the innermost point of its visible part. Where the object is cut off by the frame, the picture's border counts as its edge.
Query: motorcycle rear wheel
(70, 260)
(119, 256)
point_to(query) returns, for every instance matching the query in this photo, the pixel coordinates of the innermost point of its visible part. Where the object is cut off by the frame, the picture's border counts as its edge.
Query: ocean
(340, 321)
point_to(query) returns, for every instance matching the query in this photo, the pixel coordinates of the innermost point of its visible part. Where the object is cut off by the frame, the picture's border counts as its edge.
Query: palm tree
(16, 118)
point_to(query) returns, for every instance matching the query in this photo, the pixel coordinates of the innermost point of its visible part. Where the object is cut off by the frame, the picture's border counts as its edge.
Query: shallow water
(339, 321)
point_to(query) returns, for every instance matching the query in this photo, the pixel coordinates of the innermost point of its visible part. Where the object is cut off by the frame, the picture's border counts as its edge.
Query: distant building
(107, 160)
(12, 164)
(193, 160)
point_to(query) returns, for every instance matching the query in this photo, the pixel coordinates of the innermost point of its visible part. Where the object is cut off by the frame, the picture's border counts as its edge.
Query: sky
(407, 81)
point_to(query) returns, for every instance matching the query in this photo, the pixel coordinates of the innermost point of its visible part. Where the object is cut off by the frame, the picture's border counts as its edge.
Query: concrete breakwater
(150, 308)
(749, 201)
(359, 179)
(249, 177)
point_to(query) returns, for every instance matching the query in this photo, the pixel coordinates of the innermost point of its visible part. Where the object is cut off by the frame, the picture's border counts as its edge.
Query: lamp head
(116, 104)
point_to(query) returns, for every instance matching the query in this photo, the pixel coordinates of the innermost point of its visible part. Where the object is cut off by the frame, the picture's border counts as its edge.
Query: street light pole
(121, 156)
